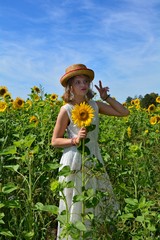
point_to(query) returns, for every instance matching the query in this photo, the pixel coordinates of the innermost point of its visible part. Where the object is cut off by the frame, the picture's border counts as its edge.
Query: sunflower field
(130, 147)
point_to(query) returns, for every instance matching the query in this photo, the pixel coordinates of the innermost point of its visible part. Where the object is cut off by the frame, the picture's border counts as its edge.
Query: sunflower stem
(83, 182)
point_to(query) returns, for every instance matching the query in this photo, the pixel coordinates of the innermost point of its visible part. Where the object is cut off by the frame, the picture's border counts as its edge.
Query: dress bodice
(72, 130)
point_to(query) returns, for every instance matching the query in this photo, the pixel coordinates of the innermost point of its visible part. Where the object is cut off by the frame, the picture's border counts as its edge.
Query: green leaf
(35, 149)
(140, 219)
(64, 184)
(2, 222)
(127, 216)
(6, 232)
(91, 127)
(1, 216)
(78, 198)
(8, 188)
(69, 184)
(26, 143)
(131, 201)
(62, 218)
(89, 216)
(29, 139)
(47, 208)
(1, 205)
(151, 227)
(79, 225)
(54, 185)
(28, 235)
(86, 140)
(65, 171)
(12, 167)
(13, 204)
(52, 166)
(9, 150)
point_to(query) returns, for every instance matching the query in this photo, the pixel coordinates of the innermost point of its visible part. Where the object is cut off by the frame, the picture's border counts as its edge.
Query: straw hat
(74, 70)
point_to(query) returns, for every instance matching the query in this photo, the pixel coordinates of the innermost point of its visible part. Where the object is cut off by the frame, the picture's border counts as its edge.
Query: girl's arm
(58, 139)
(114, 108)
(62, 122)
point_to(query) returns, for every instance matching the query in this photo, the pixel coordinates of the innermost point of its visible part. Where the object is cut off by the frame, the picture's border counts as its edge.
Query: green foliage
(29, 184)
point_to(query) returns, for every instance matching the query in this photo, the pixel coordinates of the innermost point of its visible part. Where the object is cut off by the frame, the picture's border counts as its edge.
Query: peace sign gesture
(102, 90)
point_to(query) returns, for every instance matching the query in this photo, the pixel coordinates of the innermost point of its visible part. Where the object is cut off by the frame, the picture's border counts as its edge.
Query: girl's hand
(102, 90)
(81, 134)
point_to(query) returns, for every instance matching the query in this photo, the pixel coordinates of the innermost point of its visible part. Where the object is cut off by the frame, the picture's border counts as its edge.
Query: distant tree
(140, 97)
(129, 99)
(149, 99)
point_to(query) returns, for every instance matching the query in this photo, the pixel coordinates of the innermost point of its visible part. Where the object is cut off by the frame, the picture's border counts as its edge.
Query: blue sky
(118, 39)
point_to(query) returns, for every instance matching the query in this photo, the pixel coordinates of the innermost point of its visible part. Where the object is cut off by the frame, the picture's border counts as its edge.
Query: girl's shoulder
(68, 108)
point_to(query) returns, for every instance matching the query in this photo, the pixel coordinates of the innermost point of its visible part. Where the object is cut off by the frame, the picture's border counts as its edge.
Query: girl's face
(80, 85)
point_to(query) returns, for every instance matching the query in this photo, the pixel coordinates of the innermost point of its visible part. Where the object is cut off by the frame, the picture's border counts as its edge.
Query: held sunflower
(82, 115)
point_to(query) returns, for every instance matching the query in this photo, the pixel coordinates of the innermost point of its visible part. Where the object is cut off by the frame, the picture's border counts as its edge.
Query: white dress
(72, 157)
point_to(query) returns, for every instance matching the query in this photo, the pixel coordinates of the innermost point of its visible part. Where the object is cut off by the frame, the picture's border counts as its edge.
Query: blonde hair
(67, 96)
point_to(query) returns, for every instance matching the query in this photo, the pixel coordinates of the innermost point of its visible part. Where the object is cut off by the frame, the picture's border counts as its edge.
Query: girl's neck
(79, 100)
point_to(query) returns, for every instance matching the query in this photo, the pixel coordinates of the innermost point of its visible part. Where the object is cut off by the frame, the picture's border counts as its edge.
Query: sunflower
(3, 90)
(158, 99)
(36, 89)
(158, 119)
(151, 108)
(129, 131)
(82, 114)
(33, 119)
(28, 104)
(18, 103)
(130, 107)
(53, 97)
(36, 97)
(7, 95)
(153, 120)
(136, 101)
(3, 106)
(138, 107)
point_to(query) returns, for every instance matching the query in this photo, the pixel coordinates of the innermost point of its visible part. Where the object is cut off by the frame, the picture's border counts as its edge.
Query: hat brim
(76, 72)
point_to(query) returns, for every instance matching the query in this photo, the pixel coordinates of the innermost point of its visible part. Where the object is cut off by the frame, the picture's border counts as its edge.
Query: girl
(77, 81)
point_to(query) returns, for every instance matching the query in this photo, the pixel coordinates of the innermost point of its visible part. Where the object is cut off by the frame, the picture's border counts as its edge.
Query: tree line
(148, 99)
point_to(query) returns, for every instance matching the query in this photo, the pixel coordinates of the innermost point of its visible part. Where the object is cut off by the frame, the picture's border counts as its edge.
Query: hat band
(77, 69)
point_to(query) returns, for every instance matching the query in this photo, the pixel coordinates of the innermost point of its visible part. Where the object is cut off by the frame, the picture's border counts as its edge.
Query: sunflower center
(2, 91)
(20, 102)
(83, 115)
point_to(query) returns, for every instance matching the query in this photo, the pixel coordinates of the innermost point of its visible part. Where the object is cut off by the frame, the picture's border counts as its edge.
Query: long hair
(67, 96)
